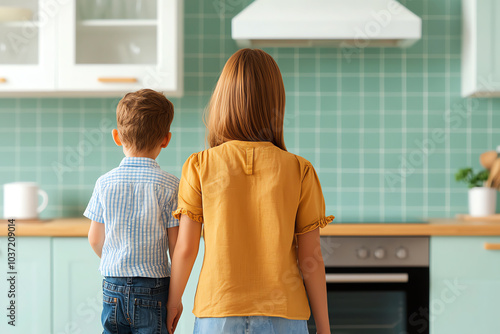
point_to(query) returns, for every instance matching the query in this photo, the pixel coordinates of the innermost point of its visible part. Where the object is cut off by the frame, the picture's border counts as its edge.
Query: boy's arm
(96, 237)
(182, 264)
(172, 233)
(309, 253)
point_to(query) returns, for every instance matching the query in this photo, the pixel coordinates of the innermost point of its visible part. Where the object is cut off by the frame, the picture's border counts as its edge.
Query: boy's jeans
(134, 305)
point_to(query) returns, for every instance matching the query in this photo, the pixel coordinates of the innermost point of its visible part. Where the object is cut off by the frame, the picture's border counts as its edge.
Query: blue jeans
(249, 325)
(134, 305)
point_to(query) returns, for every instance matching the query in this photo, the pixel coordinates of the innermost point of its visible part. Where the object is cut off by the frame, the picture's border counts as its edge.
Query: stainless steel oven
(377, 285)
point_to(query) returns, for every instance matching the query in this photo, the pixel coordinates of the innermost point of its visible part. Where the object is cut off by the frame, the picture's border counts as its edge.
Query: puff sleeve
(311, 209)
(190, 199)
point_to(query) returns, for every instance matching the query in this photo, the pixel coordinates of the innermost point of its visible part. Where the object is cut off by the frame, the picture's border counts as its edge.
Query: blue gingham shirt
(135, 202)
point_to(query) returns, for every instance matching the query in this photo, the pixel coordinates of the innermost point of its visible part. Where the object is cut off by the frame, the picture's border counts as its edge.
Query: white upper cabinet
(480, 48)
(27, 46)
(100, 48)
(120, 45)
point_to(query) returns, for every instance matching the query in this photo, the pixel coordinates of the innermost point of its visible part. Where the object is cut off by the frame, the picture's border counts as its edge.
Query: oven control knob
(362, 253)
(379, 253)
(401, 253)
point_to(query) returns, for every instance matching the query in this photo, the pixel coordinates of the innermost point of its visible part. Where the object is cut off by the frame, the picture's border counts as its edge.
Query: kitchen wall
(386, 129)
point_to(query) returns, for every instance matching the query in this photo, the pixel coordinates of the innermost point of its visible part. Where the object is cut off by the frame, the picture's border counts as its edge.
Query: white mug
(20, 200)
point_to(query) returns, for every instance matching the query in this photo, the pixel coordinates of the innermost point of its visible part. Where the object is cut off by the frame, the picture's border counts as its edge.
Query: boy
(132, 224)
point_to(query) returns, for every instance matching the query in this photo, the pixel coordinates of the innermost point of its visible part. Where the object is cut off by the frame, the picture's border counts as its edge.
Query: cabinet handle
(489, 246)
(116, 80)
(3, 80)
(367, 278)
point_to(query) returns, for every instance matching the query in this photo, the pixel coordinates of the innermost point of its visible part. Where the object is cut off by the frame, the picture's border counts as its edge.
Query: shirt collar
(139, 162)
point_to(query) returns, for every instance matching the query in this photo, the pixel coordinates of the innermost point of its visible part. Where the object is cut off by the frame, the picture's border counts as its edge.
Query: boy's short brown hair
(144, 119)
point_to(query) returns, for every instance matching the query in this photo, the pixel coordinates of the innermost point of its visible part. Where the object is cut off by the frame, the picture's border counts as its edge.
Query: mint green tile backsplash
(386, 129)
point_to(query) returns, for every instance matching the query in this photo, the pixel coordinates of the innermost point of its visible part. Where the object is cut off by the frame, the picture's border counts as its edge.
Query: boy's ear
(166, 140)
(116, 138)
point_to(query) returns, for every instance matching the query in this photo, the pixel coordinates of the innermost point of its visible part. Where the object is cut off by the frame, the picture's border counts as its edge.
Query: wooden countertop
(79, 227)
(63, 227)
(442, 227)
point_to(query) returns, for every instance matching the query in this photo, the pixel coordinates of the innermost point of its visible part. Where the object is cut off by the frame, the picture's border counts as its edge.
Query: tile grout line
(362, 137)
(404, 134)
(425, 111)
(39, 145)
(82, 152)
(447, 124)
(296, 103)
(381, 135)
(317, 138)
(17, 156)
(60, 155)
(339, 139)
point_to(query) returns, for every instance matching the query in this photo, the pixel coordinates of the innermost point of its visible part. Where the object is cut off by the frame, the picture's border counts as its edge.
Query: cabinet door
(186, 322)
(77, 287)
(480, 48)
(114, 47)
(488, 46)
(32, 286)
(465, 286)
(27, 47)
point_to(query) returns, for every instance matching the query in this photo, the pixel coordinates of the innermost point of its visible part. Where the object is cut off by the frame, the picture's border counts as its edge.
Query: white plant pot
(482, 201)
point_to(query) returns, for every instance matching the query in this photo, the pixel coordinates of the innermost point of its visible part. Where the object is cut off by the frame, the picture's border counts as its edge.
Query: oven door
(377, 300)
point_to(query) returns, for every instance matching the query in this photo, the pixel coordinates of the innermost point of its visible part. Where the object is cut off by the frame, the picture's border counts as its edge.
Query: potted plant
(482, 200)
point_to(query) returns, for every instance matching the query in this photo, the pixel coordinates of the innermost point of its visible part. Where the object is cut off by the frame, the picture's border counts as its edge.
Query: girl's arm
(96, 237)
(313, 270)
(185, 254)
(172, 234)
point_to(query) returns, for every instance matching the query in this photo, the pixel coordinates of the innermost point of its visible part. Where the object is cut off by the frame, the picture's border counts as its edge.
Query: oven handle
(367, 278)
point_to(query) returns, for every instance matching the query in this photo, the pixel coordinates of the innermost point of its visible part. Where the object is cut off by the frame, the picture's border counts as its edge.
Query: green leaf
(467, 175)
(463, 174)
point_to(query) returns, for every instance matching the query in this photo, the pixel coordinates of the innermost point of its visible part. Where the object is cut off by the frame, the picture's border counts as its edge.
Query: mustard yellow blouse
(253, 199)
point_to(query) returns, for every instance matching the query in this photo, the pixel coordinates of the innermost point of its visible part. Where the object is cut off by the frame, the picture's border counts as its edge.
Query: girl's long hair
(248, 102)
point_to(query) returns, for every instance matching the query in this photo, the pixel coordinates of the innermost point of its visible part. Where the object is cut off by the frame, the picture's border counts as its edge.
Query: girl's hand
(173, 316)
(186, 250)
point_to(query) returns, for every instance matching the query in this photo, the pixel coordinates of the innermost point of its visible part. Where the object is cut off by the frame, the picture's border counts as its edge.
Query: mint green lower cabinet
(32, 289)
(77, 287)
(186, 323)
(465, 286)
(59, 289)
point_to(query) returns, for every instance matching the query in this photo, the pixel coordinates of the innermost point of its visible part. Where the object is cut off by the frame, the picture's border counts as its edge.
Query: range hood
(337, 23)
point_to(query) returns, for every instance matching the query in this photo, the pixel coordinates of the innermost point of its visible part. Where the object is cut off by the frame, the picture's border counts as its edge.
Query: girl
(260, 207)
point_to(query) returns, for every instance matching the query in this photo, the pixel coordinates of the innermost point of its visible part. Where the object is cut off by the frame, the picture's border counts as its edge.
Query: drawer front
(464, 285)
(465, 257)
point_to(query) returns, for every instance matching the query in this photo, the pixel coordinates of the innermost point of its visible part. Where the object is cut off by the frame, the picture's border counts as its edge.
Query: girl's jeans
(249, 325)
(134, 305)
